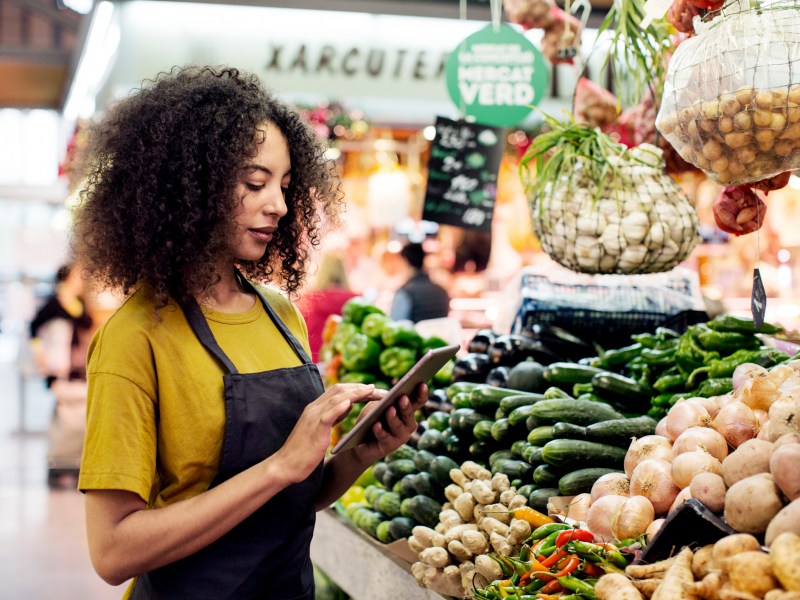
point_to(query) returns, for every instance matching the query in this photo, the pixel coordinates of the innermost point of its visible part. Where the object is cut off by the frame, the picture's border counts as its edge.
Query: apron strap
(295, 344)
(203, 332)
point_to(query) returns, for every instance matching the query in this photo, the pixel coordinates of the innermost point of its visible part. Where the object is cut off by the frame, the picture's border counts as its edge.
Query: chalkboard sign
(462, 174)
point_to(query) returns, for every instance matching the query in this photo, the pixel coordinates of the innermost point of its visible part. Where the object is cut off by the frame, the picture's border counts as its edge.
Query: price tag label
(758, 301)
(654, 9)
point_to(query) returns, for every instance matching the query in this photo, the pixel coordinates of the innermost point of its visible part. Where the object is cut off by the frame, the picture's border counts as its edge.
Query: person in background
(325, 297)
(207, 423)
(418, 298)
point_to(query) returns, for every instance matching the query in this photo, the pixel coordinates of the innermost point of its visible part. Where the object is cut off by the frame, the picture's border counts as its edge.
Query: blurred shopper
(207, 422)
(419, 298)
(59, 334)
(325, 297)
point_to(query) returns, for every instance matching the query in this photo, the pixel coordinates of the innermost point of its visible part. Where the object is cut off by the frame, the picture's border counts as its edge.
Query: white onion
(706, 438)
(653, 528)
(684, 415)
(661, 427)
(710, 404)
(778, 374)
(632, 518)
(761, 416)
(744, 372)
(758, 393)
(737, 423)
(682, 496)
(685, 466)
(601, 514)
(648, 446)
(611, 484)
(652, 479)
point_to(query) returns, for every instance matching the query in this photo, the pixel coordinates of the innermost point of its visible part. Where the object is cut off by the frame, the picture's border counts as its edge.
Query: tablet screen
(425, 368)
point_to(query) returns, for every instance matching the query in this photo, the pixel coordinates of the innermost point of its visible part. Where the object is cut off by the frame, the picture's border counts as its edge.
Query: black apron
(267, 555)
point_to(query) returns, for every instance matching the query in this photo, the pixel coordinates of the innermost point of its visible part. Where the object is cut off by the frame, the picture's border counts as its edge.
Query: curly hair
(160, 175)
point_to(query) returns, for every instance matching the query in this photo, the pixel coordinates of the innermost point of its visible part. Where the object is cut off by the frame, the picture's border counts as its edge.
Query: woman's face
(262, 190)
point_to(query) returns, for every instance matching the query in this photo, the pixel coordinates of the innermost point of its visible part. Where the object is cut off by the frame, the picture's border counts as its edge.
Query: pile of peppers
(557, 561)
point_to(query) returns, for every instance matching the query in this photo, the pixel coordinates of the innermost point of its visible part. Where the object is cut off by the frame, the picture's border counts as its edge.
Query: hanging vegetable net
(731, 103)
(598, 207)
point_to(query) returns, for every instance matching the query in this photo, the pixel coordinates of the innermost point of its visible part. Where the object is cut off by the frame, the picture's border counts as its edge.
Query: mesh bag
(731, 102)
(638, 222)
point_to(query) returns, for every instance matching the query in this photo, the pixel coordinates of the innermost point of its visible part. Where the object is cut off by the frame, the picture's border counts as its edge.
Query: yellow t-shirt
(155, 412)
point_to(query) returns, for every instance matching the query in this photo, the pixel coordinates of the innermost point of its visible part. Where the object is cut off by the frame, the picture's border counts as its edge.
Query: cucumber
(501, 430)
(578, 412)
(518, 447)
(461, 400)
(372, 493)
(526, 490)
(568, 453)
(499, 455)
(404, 452)
(622, 391)
(439, 419)
(581, 481)
(478, 451)
(547, 475)
(509, 403)
(425, 484)
(456, 446)
(368, 521)
(401, 467)
(462, 420)
(459, 386)
(618, 432)
(406, 486)
(568, 431)
(539, 436)
(519, 415)
(383, 533)
(515, 469)
(423, 460)
(379, 469)
(431, 440)
(482, 431)
(569, 373)
(424, 510)
(440, 469)
(532, 455)
(487, 397)
(527, 376)
(538, 498)
(400, 527)
(552, 393)
(389, 504)
(532, 423)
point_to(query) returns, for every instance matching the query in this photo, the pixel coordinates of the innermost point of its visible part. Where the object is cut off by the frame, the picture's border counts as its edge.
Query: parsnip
(678, 583)
(616, 586)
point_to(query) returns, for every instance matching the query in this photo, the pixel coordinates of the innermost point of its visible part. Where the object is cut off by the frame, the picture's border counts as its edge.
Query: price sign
(462, 174)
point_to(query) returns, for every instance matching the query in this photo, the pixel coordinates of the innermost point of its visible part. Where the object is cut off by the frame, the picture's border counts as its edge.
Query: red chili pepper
(592, 570)
(552, 588)
(554, 557)
(568, 535)
(572, 563)
(536, 568)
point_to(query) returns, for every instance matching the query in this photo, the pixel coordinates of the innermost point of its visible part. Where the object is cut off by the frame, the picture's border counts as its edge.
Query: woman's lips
(262, 235)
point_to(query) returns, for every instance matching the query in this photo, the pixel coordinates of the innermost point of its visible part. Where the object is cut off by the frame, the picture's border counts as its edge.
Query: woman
(207, 422)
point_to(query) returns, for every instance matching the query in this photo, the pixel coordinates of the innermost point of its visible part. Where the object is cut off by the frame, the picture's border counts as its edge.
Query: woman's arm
(343, 469)
(127, 539)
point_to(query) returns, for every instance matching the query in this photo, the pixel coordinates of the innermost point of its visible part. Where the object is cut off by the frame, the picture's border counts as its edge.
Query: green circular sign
(496, 76)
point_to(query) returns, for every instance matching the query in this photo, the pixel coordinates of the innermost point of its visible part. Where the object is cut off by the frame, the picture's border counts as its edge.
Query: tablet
(426, 367)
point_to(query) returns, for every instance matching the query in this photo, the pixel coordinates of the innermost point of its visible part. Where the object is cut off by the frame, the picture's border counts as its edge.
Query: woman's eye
(254, 186)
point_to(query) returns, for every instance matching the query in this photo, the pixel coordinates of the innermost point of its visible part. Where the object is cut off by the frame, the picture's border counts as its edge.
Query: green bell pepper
(396, 362)
(373, 325)
(360, 353)
(724, 367)
(689, 355)
(343, 333)
(431, 343)
(659, 358)
(739, 325)
(357, 377)
(400, 334)
(356, 309)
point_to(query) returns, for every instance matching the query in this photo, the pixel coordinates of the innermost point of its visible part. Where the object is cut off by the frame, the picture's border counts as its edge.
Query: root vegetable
(732, 545)
(483, 492)
(435, 557)
(461, 552)
(784, 465)
(751, 572)
(781, 595)
(453, 491)
(750, 458)
(488, 568)
(475, 541)
(784, 417)
(678, 580)
(685, 466)
(616, 586)
(418, 571)
(518, 532)
(491, 525)
(616, 484)
(464, 505)
(517, 501)
(684, 495)
(500, 483)
(646, 587)
(654, 528)
(785, 553)
(446, 582)
(750, 504)
(428, 537)
(474, 471)
(702, 561)
(787, 520)
(467, 571)
(450, 518)
(709, 488)
(709, 587)
(499, 511)
(415, 545)
(457, 532)
(655, 570)
(459, 477)
(507, 495)
(787, 438)
(500, 544)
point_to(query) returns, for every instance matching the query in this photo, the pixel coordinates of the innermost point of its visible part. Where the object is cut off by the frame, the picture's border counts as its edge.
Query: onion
(601, 514)
(763, 433)
(684, 415)
(649, 446)
(710, 404)
(614, 484)
(737, 423)
(654, 528)
(761, 416)
(778, 374)
(661, 427)
(685, 466)
(632, 518)
(684, 495)
(758, 393)
(652, 479)
(706, 438)
(744, 372)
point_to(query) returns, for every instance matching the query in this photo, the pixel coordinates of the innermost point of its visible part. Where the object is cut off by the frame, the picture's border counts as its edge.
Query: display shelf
(361, 567)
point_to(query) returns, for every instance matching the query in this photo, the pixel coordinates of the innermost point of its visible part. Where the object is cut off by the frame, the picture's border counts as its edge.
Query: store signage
(497, 76)
(462, 174)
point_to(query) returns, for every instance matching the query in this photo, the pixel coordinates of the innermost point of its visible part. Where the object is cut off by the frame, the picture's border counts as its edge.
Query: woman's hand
(394, 429)
(311, 436)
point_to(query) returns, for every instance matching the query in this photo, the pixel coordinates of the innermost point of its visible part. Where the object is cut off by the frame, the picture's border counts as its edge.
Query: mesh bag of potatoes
(731, 103)
(636, 221)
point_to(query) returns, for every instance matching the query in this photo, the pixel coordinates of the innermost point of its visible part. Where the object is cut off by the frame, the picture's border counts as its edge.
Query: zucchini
(482, 431)
(581, 481)
(431, 440)
(532, 455)
(404, 452)
(547, 475)
(527, 376)
(499, 455)
(618, 432)
(423, 460)
(566, 373)
(509, 403)
(424, 510)
(519, 415)
(552, 393)
(459, 386)
(578, 412)
(400, 527)
(622, 391)
(568, 431)
(487, 397)
(515, 469)
(462, 420)
(501, 430)
(538, 498)
(539, 436)
(518, 447)
(440, 469)
(568, 453)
